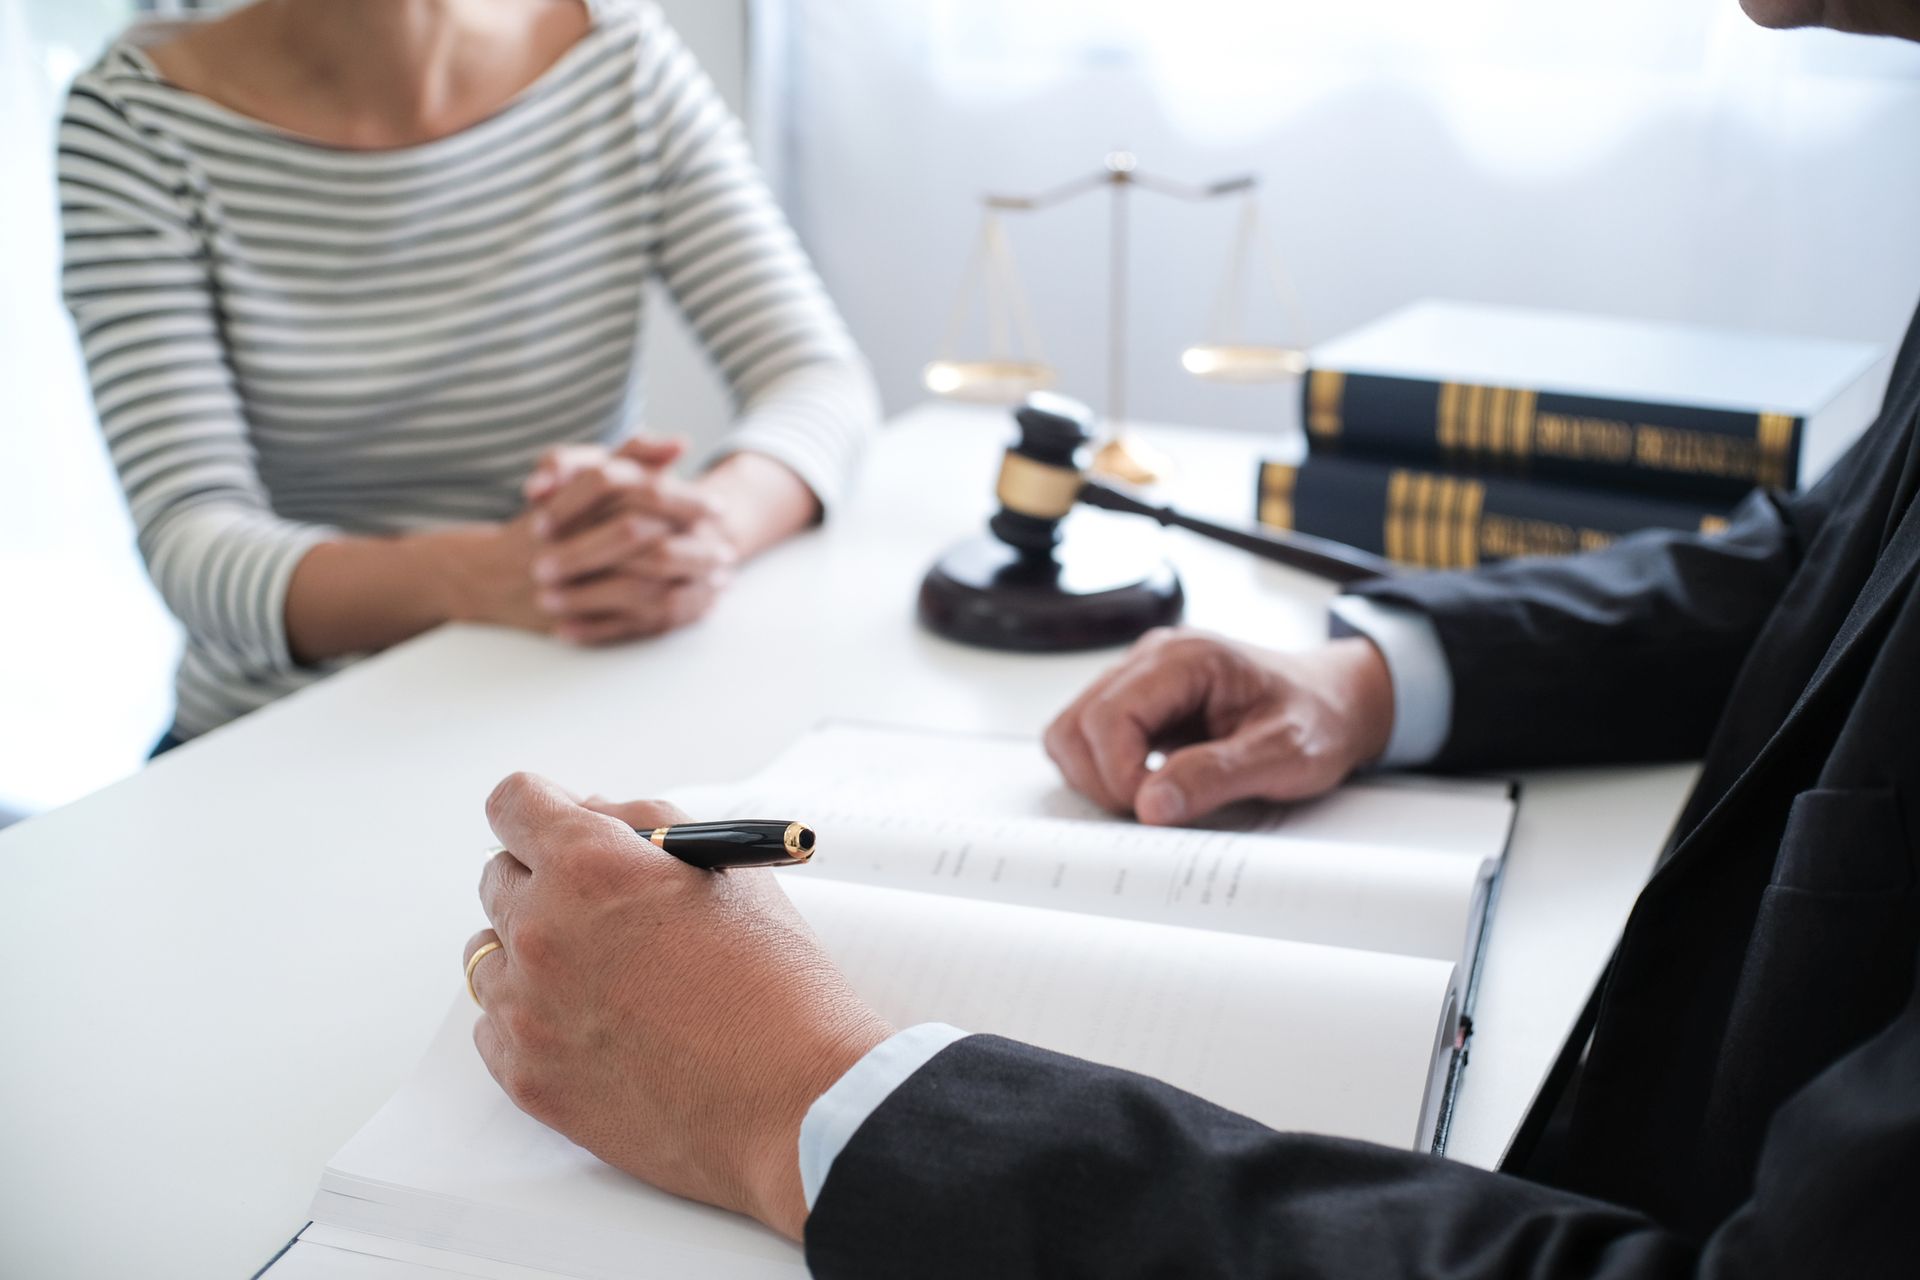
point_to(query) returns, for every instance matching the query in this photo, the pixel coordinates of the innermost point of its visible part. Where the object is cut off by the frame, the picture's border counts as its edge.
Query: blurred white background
(1661, 158)
(1638, 157)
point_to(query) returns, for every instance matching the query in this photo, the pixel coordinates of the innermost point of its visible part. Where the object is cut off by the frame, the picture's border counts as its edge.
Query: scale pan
(1221, 362)
(987, 381)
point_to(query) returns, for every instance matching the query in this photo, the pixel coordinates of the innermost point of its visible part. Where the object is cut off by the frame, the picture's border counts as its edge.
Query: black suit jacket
(1750, 1099)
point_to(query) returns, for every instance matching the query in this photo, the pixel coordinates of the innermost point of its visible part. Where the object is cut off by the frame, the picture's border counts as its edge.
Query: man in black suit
(1744, 1096)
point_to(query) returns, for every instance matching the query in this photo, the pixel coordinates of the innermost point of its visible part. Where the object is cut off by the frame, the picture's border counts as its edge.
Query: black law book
(1437, 520)
(1663, 409)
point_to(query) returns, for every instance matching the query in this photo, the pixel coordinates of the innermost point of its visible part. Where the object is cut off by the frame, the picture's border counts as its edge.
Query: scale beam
(1224, 357)
(1113, 176)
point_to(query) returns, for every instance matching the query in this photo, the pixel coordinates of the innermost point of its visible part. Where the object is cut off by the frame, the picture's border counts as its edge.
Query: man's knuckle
(538, 1039)
(1284, 737)
(532, 945)
(1226, 760)
(656, 813)
(1106, 717)
(1190, 646)
(527, 1089)
(521, 1025)
(509, 793)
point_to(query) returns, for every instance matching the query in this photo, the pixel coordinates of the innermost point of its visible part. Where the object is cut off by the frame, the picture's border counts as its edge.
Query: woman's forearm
(362, 595)
(761, 501)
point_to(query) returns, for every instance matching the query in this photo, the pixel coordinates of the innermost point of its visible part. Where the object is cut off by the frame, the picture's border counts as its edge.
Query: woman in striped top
(359, 284)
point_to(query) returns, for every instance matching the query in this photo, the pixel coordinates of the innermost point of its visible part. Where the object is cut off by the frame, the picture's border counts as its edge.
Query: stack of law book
(1448, 434)
(1311, 966)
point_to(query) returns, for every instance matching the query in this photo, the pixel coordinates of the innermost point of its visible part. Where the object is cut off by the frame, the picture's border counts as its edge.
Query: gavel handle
(1321, 557)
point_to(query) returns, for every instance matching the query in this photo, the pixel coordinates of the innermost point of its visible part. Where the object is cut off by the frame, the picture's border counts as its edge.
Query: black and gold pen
(718, 846)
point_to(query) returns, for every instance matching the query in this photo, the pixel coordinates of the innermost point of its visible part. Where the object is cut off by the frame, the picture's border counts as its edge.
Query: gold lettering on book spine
(1431, 494)
(1326, 392)
(1492, 422)
(1600, 439)
(1440, 522)
(1775, 435)
(1276, 495)
(1419, 497)
(1466, 533)
(1456, 510)
(1505, 537)
(1477, 434)
(1526, 412)
(1447, 426)
(1433, 521)
(1399, 499)
(1699, 453)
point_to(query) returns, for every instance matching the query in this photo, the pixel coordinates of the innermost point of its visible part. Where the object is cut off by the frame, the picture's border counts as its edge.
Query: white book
(1308, 966)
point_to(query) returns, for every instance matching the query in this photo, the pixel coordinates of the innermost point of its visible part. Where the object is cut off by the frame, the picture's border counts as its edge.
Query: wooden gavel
(1042, 479)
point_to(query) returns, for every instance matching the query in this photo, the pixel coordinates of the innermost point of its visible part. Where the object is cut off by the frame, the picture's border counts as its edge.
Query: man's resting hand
(1237, 723)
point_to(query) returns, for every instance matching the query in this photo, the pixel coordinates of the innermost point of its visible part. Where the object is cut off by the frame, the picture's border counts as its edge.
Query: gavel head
(1041, 475)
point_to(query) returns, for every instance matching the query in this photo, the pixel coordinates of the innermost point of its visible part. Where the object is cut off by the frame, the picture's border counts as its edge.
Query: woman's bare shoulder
(200, 55)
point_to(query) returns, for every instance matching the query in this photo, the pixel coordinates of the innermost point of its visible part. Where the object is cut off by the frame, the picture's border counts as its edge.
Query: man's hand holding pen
(676, 1022)
(679, 1022)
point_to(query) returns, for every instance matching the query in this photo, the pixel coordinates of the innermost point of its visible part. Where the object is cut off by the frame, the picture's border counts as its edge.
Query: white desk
(212, 973)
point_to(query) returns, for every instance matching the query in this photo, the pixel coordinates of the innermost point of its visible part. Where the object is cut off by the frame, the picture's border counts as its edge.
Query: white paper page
(328, 1253)
(451, 1163)
(881, 769)
(362, 1257)
(985, 817)
(1298, 1036)
(1401, 901)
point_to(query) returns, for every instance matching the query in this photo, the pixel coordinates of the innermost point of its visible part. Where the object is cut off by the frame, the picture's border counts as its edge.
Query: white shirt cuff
(1417, 665)
(839, 1112)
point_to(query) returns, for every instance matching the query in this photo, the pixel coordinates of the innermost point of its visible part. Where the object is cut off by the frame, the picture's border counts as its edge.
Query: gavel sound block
(1023, 587)
(1026, 588)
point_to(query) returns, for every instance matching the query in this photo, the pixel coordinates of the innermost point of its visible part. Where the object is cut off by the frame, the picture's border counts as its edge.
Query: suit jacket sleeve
(998, 1159)
(1623, 654)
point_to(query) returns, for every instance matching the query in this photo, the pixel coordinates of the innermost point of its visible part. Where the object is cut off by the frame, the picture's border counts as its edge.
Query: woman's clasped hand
(619, 547)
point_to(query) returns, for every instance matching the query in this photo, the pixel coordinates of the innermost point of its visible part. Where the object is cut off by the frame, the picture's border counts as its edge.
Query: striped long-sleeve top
(289, 341)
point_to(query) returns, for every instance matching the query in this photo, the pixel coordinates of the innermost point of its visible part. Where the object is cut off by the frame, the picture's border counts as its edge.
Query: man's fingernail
(1162, 802)
(546, 570)
(543, 526)
(552, 602)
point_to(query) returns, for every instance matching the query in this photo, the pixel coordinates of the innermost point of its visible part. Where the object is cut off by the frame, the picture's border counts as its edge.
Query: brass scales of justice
(1023, 585)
